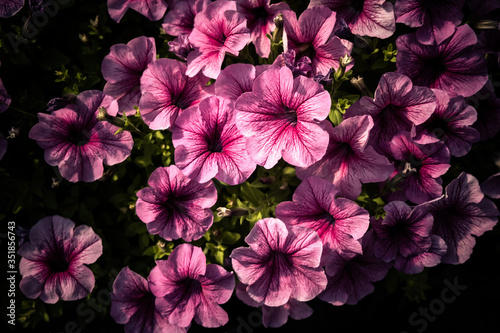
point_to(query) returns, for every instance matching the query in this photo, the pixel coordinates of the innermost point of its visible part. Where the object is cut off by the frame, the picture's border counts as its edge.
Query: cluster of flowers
(320, 244)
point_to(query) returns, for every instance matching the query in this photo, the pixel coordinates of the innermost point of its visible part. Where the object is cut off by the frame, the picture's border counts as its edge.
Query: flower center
(79, 137)
(290, 115)
(57, 263)
(305, 50)
(434, 69)
(358, 5)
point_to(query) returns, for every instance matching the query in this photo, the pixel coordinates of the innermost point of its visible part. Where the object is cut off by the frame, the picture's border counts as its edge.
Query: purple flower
(482, 7)
(298, 67)
(397, 106)
(404, 231)
(180, 20)
(167, 92)
(208, 144)
(420, 168)
(174, 206)
(78, 143)
(57, 103)
(275, 316)
(451, 123)
(152, 9)
(350, 278)
(53, 263)
(186, 288)
(487, 105)
(454, 66)
(9, 8)
(491, 186)
(122, 68)
(459, 214)
(416, 263)
(4, 98)
(436, 20)
(260, 20)
(133, 304)
(282, 263)
(312, 36)
(374, 18)
(283, 116)
(236, 79)
(348, 161)
(3, 146)
(180, 46)
(218, 29)
(339, 222)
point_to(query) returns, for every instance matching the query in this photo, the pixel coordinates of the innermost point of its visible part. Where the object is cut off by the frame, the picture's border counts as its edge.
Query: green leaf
(335, 117)
(230, 238)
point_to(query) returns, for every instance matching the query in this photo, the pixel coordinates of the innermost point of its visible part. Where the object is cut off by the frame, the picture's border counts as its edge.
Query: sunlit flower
(180, 20)
(236, 79)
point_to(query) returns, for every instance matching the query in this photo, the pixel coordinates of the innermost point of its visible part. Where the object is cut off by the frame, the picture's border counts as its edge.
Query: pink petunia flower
(454, 66)
(53, 261)
(167, 92)
(459, 214)
(133, 304)
(122, 68)
(282, 263)
(312, 36)
(396, 107)
(78, 143)
(275, 316)
(174, 206)
(436, 20)
(208, 144)
(351, 278)
(339, 222)
(180, 20)
(180, 46)
(416, 263)
(152, 9)
(283, 116)
(451, 123)
(9, 8)
(260, 16)
(374, 18)
(186, 288)
(348, 161)
(218, 29)
(236, 79)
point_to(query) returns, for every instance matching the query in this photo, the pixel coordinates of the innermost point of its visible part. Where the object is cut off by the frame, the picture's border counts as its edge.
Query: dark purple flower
(374, 18)
(283, 116)
(260, 16)
(348, 161)
(282, 263)
(152, 9)
(180, 46)
(459, 214)
(9, 8)
(350, 278)
(298, 67)
(487, 105)
(396, 107)
(451, 123)
(133, 304)
(339, 222)
(491, 186)
(5, 99)
(3, 146)
(436, 20)
(186, 288)
(180, 20)
(312, 36)
(236, 79)
(53, 263)
(482, 7)
(455, 65)
(77, 142)
(416, 263)
(122, 68)
(167, 92)
(60, 102)
(174, 206)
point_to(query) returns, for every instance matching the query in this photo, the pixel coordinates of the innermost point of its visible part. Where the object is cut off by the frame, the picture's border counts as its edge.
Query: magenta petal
(9, 8)
(416, 263)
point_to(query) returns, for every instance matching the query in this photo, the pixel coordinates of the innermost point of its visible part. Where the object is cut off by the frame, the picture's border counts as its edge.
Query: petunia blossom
(396, 107)
(5, 99)
(351, 278)
(208, 144)
(180, 46)
(283, 116)
(436, 20)
(180, 20)
(186, 288)
(455, 65)
(53, 261)
(298, 67)
(374, 18)
(491, 186)
(167, 92)
(236, 79)
(339, 222)
(461, 213)
(133, 304)
(349, 161)
(77, 142)
(9, 8)
(282, 263)
(416, 263)
(451, 123)
(487, 105)
(260, 16)
(152, 9)
(275, 316)
(122, 68)
(218, 29)
(174, 206)
(312, 36)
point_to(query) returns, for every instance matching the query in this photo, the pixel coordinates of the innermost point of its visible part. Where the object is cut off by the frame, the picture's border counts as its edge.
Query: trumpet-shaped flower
(416, 263)
(236, 79)
(180, 20)
(152, 9)
(53, 261)
(174, 206)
